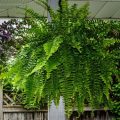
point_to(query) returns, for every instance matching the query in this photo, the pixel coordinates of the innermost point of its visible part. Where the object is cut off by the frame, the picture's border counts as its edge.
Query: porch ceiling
(105, 9)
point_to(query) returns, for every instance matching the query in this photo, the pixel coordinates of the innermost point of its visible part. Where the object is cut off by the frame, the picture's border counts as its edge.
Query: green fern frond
(110, 42)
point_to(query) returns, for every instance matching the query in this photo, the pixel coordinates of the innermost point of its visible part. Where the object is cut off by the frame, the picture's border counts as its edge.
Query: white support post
(56, 113)
(54, 5)
(1, 101)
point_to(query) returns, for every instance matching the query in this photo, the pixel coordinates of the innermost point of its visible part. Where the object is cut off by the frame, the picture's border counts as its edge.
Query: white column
(56, 113)
(54, 5)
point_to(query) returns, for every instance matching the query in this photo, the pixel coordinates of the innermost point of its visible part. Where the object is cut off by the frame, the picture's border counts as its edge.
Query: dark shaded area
(96, 115)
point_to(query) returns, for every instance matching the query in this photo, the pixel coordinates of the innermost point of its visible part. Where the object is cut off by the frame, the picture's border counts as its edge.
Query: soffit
(104, 9)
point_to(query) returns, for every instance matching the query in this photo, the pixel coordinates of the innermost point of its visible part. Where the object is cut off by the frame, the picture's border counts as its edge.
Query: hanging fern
(69, 56)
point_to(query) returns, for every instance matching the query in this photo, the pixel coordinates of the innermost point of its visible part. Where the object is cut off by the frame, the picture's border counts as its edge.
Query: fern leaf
(109, 42)
(52, 46)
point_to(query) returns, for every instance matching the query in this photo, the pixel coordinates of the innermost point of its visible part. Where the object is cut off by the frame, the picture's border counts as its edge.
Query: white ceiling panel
(98, 8)
(16, 12)
(12, 8)
(94, 6)
(78, 3)
(108, 10)
(117, 14)
(2, 10)
(39, 9)
(3, 13)
(14, 1)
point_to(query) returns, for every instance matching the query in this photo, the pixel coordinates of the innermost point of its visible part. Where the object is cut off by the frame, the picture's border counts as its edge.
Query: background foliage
(11, 38)
(69, 56)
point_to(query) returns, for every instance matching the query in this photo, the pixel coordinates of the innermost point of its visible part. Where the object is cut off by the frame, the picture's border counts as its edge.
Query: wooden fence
(97, 115)
(18, 113)
(10, 110)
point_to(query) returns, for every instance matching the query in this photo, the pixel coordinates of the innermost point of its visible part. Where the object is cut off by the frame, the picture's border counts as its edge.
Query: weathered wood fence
(97, 115)
(18, 113)
(11, 110)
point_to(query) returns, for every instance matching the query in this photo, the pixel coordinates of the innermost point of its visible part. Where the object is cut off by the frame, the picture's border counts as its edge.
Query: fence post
(1, 101)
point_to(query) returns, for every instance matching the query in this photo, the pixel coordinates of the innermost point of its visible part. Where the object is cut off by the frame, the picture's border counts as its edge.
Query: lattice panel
(11, 98)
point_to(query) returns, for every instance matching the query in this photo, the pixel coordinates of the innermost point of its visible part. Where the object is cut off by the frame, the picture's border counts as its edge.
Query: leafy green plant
(11, 39)
(115, 108)
(68, 56)
(115, 96)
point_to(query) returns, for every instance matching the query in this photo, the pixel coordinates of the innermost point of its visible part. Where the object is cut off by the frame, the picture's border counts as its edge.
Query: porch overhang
(104, 9)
